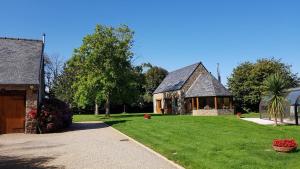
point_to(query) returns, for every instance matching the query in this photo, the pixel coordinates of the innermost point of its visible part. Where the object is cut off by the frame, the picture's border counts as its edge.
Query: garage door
(12, 113)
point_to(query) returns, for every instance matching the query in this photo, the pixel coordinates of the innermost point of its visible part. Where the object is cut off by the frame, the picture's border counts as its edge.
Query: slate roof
(207, 85)
(20, 61)
(176, 79)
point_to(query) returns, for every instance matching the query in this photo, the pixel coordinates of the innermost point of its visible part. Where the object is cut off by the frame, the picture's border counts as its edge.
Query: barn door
(158, 106)
(2, 118)
(12, 113)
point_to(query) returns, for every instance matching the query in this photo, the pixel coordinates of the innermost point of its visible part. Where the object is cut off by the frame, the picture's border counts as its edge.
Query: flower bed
(284, 145)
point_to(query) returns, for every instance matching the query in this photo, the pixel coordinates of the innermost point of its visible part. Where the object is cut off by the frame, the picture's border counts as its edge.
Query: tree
(105, 65)
(153, 77)
(62, 89)
(275, 86)
(246, 81)
(53, 68)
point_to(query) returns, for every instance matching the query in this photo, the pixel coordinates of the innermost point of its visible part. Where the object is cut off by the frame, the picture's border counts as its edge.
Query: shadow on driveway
(8, 162)
(85, 126)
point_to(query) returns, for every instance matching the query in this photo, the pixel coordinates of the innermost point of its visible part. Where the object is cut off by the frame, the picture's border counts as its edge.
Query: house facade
(21, 83)
(192, 90)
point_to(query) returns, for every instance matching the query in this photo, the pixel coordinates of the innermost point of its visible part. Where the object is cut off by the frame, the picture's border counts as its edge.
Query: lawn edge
(147, 148)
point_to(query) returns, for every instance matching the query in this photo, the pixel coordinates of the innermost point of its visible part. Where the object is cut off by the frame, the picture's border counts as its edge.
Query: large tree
(246, 81)
(105, 66)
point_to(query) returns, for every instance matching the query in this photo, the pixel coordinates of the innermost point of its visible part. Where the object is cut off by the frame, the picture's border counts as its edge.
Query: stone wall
(198, 71)
(212, 112)
(31, 103)
(172, 95)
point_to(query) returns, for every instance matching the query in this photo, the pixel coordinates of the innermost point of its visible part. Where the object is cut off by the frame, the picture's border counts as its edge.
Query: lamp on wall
(31, 87)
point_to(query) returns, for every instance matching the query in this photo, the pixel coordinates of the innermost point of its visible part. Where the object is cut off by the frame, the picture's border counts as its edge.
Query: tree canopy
(246, 81)
(104, 66)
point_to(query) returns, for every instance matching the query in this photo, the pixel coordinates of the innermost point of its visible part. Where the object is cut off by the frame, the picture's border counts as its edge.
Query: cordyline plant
(275, 86)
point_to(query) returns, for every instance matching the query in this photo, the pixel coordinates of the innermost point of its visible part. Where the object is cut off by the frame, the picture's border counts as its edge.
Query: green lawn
(208, 142)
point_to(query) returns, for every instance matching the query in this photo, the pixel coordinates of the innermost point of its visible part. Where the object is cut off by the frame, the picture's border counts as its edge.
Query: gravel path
(87, 145)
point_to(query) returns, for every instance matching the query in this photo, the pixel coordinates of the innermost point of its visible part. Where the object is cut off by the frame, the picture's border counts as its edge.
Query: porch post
(296, 114)
(230, 103)
(197, 103)
(192, 103)
(216, 104)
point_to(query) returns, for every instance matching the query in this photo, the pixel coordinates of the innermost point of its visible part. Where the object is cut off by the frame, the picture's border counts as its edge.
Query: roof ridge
(185, 67)
(24, 39)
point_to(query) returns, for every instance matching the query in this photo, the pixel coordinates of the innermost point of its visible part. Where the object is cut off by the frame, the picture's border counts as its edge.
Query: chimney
(44, 38)
(218, 71)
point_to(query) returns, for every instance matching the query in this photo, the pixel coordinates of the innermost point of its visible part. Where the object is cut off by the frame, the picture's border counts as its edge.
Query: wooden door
(158, 106)
(12, 113)
(2, 118)
(168, 103)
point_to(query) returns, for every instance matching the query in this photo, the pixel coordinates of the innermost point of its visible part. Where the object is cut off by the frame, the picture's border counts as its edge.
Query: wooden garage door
(12, 113)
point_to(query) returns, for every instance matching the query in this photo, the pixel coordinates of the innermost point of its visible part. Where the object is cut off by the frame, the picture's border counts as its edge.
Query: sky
(171, 33)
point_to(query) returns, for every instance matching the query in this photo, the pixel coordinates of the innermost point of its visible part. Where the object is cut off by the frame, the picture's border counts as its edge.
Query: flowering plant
(32, 113)
(285, 143)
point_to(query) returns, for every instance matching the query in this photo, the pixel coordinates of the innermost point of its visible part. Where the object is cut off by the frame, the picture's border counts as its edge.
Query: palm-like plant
(275, 86)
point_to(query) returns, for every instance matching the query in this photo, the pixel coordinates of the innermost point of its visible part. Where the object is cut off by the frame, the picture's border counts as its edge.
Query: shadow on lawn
(10, 162)
(114, 122)
(131, 115)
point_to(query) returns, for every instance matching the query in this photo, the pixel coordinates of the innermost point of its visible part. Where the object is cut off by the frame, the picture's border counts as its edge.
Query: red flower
(285, 143)
(32, 113)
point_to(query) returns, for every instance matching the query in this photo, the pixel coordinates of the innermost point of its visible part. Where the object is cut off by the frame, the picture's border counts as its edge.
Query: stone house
(192, 90)
(21, 83)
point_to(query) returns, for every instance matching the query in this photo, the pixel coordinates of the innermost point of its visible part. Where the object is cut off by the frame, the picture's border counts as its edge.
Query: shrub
(54, 116)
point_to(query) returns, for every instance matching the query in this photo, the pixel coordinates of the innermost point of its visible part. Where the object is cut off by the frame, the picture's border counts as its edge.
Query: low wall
(212, 112)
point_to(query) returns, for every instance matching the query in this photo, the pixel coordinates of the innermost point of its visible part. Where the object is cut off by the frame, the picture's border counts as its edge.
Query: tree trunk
(96, 108)
(107, 107)
(275, 116)
(281, 117)
(124, 108)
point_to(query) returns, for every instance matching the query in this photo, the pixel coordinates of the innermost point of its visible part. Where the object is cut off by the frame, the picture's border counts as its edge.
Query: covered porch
(210, 105)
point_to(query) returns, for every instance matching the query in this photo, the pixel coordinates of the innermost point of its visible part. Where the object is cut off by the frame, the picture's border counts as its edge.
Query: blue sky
(170, 34)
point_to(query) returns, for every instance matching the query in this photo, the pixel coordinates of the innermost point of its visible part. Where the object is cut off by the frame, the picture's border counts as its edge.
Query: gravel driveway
(86, 145)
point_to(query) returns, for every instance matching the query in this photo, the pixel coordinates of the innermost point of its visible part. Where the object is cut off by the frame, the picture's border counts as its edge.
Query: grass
(208, 142)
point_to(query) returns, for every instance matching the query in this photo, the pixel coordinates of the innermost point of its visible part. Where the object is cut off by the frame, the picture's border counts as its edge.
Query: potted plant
(147, 116)
(284, 145)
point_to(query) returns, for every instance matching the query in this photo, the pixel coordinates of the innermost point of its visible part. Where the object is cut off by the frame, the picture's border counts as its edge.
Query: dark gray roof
(207, 85)
(20, 61)
(176, 79)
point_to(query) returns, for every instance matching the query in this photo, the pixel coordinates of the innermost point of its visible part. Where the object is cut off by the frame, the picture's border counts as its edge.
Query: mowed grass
(208, 142)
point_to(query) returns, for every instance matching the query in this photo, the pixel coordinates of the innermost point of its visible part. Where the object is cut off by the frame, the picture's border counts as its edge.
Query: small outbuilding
(21, 83)
(192, 90)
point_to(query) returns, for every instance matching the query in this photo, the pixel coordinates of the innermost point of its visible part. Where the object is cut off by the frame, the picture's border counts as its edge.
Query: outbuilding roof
(176, 79)
(207, 85)
(20, 60)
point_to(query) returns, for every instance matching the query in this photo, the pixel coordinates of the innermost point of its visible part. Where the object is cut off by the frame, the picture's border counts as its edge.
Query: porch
(210, 105)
